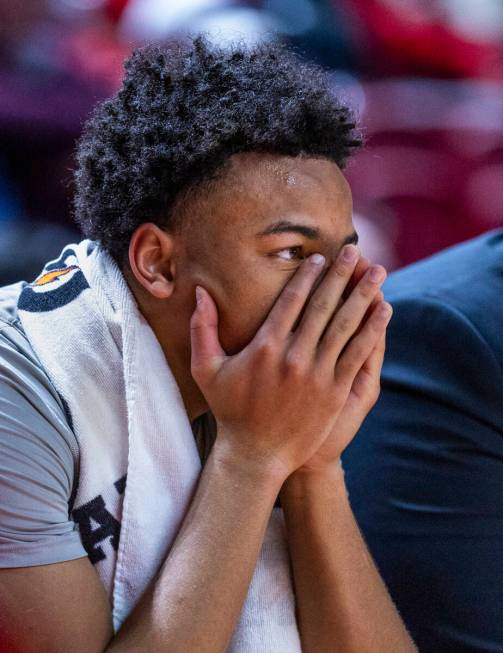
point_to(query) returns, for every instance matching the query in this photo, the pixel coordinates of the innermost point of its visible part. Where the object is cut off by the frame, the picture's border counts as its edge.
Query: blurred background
(425, 78)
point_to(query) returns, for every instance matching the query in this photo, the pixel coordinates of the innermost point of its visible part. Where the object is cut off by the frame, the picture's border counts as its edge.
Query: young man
(218, 172)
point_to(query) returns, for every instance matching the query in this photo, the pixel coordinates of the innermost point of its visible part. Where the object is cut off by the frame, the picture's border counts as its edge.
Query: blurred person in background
(170, 470)
(425, 474)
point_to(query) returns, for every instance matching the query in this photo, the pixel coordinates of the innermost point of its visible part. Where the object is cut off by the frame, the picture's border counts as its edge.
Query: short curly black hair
(181, 112)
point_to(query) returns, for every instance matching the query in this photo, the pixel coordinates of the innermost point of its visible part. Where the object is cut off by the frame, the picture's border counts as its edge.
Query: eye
(296, 251)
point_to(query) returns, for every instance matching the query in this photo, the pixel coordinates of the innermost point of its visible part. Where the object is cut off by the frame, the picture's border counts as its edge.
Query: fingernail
(386, 311)
(349, 253)
(199, 295)
(318, 259)
(376, 274)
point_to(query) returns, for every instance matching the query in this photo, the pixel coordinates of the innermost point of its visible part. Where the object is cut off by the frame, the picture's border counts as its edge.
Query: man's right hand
(276, 401)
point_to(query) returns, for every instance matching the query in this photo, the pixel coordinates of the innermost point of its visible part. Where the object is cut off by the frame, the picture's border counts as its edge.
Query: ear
(151, 259)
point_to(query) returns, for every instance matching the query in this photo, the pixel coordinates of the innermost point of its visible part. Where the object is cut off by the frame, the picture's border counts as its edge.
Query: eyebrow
(309, 232)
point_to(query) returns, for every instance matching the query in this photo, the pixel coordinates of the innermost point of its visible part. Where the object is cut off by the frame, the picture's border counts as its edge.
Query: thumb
(207, 354)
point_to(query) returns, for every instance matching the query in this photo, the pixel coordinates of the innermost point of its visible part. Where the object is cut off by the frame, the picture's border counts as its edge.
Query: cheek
(244, 311)
(244, 288)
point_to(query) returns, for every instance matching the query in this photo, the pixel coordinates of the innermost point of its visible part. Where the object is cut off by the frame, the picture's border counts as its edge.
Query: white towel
(139, 462)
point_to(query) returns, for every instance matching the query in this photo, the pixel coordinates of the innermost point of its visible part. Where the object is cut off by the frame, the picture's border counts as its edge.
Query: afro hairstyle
(179, 115)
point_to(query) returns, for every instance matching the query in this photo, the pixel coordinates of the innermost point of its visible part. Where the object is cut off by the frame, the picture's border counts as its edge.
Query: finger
(286, 310)
(377, 299)
(366, 385)
(324, 301)
(361, 267)
(348, 318)
(362, 346)
(207, 354)
(375, 360)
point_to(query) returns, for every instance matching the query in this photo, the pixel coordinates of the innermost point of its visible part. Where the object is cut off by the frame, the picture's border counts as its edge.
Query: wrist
(306, 481)
(260, 470)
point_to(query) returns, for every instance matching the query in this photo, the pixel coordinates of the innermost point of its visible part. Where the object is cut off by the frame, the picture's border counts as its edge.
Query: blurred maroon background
(424, 76)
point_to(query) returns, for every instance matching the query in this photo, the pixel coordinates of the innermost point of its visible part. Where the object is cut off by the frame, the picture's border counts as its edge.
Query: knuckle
(350, 371)
(367, 290)
(291, 296)
(265, 347)
(295, 362)
(358, 351)
(340, 271)
(377, 326)
(196, 325)
(321, 305)
(341, 324)
(374, 396)
(345, 371)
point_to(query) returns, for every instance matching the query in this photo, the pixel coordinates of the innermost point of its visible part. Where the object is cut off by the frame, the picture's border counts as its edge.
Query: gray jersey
(39, 453)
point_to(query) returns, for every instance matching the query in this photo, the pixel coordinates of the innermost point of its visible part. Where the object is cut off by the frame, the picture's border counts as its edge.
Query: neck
(175, 348)
(193, 399)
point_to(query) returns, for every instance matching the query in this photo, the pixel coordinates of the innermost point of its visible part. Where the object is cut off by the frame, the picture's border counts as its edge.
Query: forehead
(269, 184)
(257, 189)
(284, 170)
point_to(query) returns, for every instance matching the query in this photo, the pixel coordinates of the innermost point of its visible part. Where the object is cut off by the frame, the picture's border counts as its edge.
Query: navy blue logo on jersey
(52, 289)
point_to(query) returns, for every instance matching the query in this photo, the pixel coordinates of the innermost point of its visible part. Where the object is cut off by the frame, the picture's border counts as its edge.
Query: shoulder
(459, 289)
(8, 304)
(12, 335)
(20, 366)
(444, 345)
(447, 273)
(38, 453)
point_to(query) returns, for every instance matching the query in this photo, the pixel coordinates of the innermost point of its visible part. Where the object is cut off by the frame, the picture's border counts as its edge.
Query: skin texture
(218, 248)
(287, 355)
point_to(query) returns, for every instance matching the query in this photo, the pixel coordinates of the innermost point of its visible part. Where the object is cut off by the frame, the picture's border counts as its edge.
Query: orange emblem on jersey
(54, 274)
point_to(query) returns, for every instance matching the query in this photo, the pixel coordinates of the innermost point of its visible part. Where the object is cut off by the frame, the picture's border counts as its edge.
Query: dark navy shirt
(425, 473)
